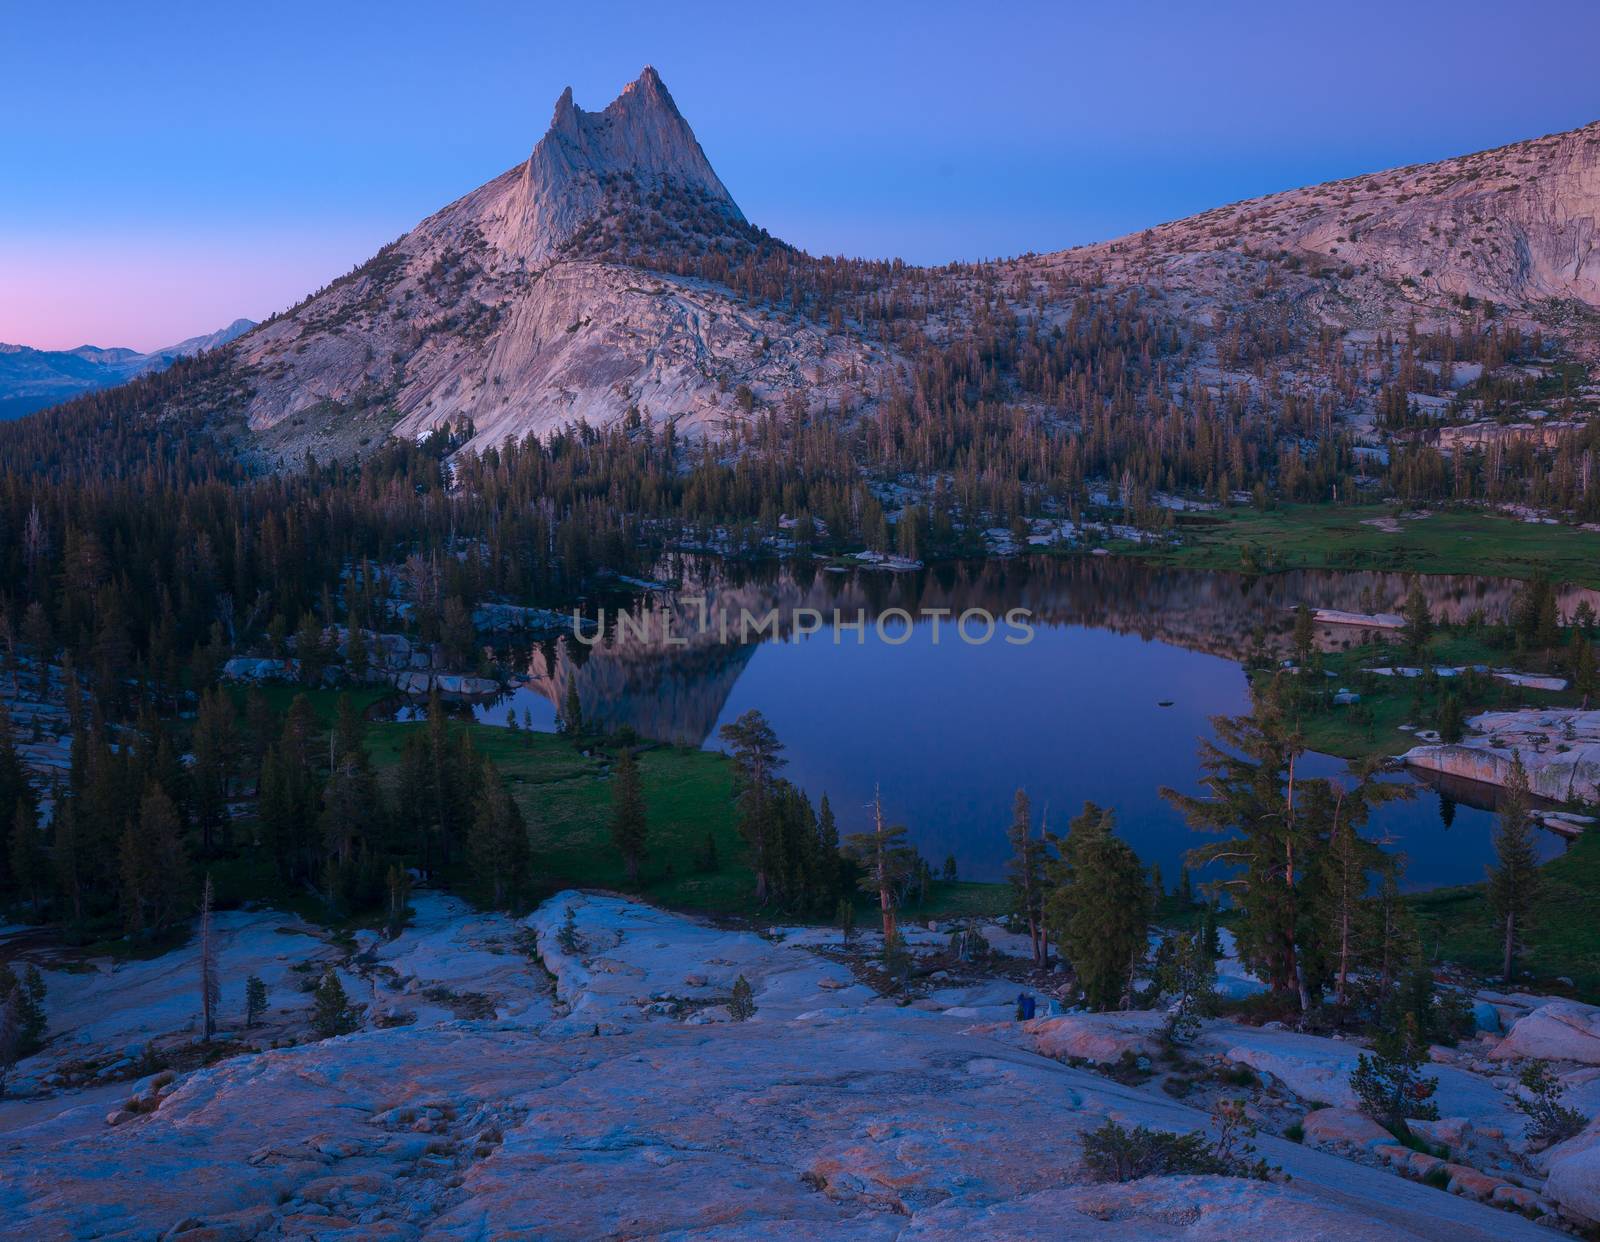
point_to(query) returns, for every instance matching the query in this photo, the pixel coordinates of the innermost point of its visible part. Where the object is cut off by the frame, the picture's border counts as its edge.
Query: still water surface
(949, 730)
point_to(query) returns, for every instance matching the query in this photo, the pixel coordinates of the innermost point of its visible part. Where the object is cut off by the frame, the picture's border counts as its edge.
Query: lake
(1106, 701)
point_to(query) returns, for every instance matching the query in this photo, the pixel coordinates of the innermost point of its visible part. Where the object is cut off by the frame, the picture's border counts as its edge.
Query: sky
(167, 168)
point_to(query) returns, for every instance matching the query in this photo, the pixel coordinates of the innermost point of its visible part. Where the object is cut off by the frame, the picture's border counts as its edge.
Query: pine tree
(352, 818)
(1549, 1120)
(1024, 872)
(1250, 787)
(399, 886)
(1514, 879)
(1585, 680)
(1394, 945)
(831, 881)
(1418, 628)
(571, 718)
(210, 985)
(356, 657)
(497, 845)
(758, 756)
(25, 999)
(1344, 896)
(1451, 722)
(66, 859)
(331, 1011)
(1187, 973)
(1099, 907)
(10, 1024)
(16, 799)
(215, 762)
(886, 861)
(349, 733)
(155, 871)
(30, 869)
(1305, 635)
(255, 1000)
(38, 638)
(310, 649)
(1547, 631)
(628, 820)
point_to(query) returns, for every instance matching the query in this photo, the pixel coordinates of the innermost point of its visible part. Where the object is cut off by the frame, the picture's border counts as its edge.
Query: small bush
(742, 1005)
(1238, 1075)
(1549, 1120)
(1114, 1153)
(1390, 1084)
(1178, 1088)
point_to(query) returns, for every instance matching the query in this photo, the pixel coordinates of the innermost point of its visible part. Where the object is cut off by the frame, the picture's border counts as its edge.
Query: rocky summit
(546, 297)
(577, 1075)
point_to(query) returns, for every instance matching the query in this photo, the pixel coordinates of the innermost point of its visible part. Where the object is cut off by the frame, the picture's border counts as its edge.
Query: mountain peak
(639, 138)
(649, 89)
(565, 117)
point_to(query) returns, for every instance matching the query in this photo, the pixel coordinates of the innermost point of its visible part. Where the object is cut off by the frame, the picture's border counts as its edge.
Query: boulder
(1573, 1175)
(1446, 1132)
(1521, 1199)
(1099, 1037)
(1393, 1153)
(1475, 1184)
(1559, 1031)
(1343, 1127)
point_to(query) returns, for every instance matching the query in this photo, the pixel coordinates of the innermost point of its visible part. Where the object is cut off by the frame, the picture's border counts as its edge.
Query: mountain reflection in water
(949, 729)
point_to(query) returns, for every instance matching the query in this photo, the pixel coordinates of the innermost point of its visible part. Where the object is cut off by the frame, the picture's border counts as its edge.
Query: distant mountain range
(35, 379)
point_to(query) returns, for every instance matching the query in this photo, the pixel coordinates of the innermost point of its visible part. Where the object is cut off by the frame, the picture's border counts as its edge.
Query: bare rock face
(1518, 225)
(532, 210)
(510, 307)
(1559, 748)
(1574, 1174)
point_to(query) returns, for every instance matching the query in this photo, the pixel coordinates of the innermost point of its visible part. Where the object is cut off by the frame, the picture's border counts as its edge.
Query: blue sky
(167, 168)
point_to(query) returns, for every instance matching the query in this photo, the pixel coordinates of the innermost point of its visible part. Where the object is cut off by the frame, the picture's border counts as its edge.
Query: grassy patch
(1342, 537)
(1458, 926)
(565, 796)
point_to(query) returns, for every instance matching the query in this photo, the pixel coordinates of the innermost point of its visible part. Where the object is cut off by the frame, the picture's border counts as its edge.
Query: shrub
(1390, 1085)
(1114, 1153)
(742, 1005)
(567, 936)
(1549, 1120)
(1187, 972)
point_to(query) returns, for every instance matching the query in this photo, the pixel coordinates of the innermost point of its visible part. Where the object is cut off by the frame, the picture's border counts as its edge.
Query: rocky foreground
(581, 1078)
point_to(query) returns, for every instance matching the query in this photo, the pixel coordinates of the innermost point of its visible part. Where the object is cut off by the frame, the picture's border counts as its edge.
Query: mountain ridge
(35, 379)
